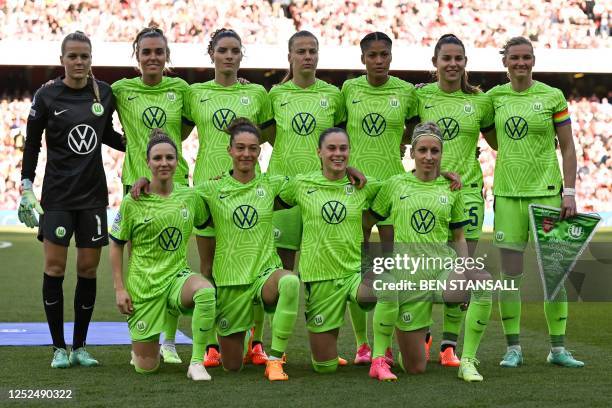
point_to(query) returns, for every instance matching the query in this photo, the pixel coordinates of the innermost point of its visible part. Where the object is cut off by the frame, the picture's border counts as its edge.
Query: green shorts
(511, 222)
(148, 318)
(235, 305)
(288, 228)
(326, 302)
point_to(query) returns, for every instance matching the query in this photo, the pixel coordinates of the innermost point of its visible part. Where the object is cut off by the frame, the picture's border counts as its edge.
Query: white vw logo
(82, 139)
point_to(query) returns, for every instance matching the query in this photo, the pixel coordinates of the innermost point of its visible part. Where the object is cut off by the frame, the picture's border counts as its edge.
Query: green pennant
(559, 243)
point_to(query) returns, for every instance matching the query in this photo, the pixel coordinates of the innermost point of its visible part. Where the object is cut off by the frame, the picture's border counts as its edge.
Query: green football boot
(512, 359)
(81, 357)
(60, 359)
(564, 359)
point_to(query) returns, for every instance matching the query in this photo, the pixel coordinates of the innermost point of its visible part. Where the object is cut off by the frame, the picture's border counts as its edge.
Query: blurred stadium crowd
(479, 23)
(591, 119)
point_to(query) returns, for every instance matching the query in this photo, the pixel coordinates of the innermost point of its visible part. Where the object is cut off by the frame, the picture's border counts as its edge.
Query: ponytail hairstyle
(365, 42)
(81, 37)
(515, 41)
(466, 87)
(158, 136)
(299, 34)
(240, 125)
(218, 35)
(150, 32)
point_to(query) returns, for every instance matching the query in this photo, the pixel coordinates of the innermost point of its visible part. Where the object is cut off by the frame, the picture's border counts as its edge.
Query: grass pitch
(116, 384)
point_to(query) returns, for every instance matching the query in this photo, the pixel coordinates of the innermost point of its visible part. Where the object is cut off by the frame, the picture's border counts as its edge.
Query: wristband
(567, 191)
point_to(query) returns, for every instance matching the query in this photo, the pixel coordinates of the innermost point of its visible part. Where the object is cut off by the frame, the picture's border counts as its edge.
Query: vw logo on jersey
(422, 221)
(222, 118)
(154, 117)
(333, 212)
(303, 123)
(516, 128)
(373, 124)
(82, 139)
(245, 217)
(449, 128)
(170, 239)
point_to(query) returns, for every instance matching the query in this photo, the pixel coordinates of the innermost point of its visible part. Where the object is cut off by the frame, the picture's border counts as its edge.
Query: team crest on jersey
(324, 103)
(349, 189)
(406, 317)
(499, 236)
(60, 232)
(260, 192)
(277, 233)
(318, 320)
(245, 100)
(171, 96)
(443, 200)
(537, 106)
(394, 102)
(468, 109)
(141, 326)
(185, 213)
(97, 109)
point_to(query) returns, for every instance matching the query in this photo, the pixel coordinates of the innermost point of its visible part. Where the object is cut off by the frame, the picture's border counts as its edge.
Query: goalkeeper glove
(28, 205)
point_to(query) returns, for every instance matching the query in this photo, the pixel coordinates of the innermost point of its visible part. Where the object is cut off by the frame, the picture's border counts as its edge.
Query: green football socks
(359, 319)
(385, 315)
(510, 309)
(202, 321)
(476, 321)
(286, 313)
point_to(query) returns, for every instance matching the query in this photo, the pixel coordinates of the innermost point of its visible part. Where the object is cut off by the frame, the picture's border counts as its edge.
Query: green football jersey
(213, 107)
(242, 216)
(142, 108)
(158, 229)
(422, 211)
(376, 117)
(461, 117)
(301, 115)
(526, 164)
(332, 218)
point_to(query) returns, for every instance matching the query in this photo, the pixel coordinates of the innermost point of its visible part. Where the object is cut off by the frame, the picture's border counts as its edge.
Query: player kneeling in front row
(246, 269)
(158, 226)
(423, 210)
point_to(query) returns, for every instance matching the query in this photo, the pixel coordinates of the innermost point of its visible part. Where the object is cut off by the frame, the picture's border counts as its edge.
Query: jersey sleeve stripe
(486, 129)
(377, 215)
(267, 124)
(455, 225)
(561, 118)
(117, 240)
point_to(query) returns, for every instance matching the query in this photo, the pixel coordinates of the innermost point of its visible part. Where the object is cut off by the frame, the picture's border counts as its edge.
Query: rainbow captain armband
(562, 118)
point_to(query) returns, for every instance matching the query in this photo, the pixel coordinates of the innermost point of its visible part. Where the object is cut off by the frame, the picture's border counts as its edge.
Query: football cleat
(212, 358)
(256, 355)
(467, 370)
(274, 371)
(169, 354)
(564, 359)
(381, 370)
(60, 359)
(448, 358)
(363, 355)
(512, 359)
(81, 357)
(342, 362)
(197, 372)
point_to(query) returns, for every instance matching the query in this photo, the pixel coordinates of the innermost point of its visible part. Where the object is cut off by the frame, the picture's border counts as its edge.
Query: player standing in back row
(213, 105)
(75, 113)
(462, 111)
(381, 111)
(147, 102)
(530, 117)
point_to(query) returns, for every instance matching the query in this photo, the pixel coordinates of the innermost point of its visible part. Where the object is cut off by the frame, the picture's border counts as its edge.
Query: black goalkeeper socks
(84, 300)
(53, 301)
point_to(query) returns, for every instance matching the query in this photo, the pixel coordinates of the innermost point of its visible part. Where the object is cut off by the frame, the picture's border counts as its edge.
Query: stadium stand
(480, 23)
